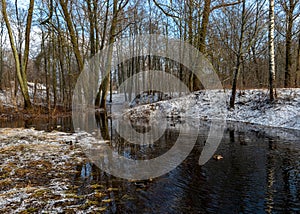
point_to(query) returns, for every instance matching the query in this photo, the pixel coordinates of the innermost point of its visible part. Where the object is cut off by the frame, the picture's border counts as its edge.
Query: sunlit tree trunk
(98, 96)
(74, 41)
(204, 24)
(271, 50)
(21, 64)
(106, 81)
(54, 69)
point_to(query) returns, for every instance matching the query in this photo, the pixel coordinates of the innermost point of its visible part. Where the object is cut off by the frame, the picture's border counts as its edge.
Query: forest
(48, 42)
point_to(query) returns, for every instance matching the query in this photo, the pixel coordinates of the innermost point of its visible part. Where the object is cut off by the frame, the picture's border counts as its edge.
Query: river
(259, 173)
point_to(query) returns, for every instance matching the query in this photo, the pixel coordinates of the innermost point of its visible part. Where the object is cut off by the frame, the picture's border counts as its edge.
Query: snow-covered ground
(37, 94)
(252, 107)
(37, 171)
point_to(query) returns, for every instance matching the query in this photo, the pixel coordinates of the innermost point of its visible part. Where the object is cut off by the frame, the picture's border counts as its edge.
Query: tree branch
(163, 10)
(225, 5)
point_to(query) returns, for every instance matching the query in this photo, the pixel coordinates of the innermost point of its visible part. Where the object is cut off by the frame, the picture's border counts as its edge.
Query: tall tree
(1, 50)
(271, 50)
(298, 64)
(289, 7)
(104, 86)
(112, 34)
(204, 25)
(74, 38)
(239, 56)
(21, 63)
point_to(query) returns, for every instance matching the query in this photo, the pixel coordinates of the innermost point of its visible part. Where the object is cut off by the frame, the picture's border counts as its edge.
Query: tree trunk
(98, 96)
(239, 57)
(288, 50)
(204, 24)
(271, 50)
(21, 68)
(92, 27)
(105, 82)
(190, 39)
(298, 63)
(73, 35)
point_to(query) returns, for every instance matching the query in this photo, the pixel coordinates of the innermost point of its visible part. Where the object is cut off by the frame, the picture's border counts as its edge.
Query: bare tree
(239, 55)
(74, 37)
(289, 7)
(21, 64)
(297, 75)
(271, 50)
(1, 50)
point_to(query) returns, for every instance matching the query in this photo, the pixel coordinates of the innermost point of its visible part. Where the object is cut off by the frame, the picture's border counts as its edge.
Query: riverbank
(44, 171)
(251, 107)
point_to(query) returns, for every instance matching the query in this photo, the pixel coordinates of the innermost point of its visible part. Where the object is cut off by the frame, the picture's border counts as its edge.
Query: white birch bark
(271, 50)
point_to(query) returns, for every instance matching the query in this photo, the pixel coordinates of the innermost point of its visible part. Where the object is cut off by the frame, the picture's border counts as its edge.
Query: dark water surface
(47, 124)
(258, 174)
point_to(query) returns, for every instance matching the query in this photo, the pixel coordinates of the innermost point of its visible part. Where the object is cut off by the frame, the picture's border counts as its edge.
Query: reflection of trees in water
(260, 175)
(136, 150)
(282, 169)
(142, 151)
(102, 124)
(271, 169)
(43, 123)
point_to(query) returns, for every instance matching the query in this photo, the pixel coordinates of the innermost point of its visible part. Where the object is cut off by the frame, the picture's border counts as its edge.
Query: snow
(252, 107)
(7, 98)
(40, 169)
(37, 171)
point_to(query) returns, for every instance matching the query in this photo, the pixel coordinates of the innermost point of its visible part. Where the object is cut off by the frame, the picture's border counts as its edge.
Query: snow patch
(252, 106)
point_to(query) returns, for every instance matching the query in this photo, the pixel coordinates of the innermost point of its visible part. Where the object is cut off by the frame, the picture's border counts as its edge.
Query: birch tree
(271, 50)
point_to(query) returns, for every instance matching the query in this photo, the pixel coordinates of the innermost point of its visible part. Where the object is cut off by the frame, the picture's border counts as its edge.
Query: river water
(258, 174)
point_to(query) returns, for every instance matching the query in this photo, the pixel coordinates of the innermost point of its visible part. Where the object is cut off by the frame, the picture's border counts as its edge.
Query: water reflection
(63, 123)
(258, 174)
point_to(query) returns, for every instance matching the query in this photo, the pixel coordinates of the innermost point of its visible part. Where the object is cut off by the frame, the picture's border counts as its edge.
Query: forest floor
(42, 171)
(11, 107)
